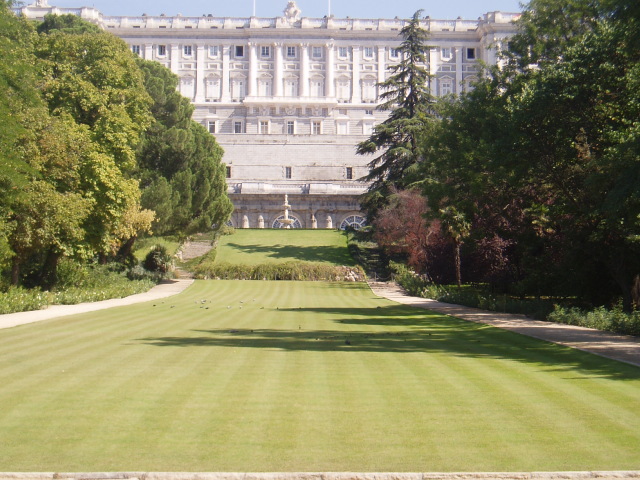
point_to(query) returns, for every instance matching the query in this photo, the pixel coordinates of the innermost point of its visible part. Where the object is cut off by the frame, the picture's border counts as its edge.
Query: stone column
(330, 86)
(226, 78)
(252, 89)
(174, 57)
(148, 51)
(459, 54)
(356, 91)
(382, 64)
(434, 65)
(278, 70)
(200, 84)
(304, 70)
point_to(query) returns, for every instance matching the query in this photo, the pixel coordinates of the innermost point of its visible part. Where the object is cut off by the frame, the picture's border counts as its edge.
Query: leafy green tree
(17, 96)
(93, 79)
(181, 163)
(457, 228)
(546, 156)
(407, 97)
(69, 23)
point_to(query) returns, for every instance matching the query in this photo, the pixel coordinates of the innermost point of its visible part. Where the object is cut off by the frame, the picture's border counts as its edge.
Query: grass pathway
(304, 376)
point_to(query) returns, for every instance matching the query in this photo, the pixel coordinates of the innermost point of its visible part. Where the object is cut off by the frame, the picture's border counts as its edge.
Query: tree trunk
(126, 249)
(458, 269)
(15, 271)
(50, 269)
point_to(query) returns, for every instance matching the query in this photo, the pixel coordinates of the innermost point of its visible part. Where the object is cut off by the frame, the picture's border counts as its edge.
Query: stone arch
(278, 224)
(354, 221)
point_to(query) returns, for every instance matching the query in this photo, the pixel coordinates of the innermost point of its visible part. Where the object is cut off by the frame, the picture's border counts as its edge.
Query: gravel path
(162, 290)
(623, 348)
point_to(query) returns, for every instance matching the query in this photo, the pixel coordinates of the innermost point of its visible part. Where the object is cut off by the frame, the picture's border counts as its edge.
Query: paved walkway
(162, 290)
(623, 348)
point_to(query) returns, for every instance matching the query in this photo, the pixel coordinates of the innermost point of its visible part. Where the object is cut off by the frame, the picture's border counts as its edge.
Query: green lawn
(304, 376)
(250, 247)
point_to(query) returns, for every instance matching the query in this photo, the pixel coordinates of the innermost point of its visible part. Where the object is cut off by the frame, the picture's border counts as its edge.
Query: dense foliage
(180, 162)
(537, 169)
(76, 107)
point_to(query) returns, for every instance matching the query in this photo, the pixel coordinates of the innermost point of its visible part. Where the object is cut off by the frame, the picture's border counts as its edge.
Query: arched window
(277, 223)
(238, 85)
(291, 87)
(446, 86)
(187, 87)
(265, 86)
(317, 86)
(212, 90)
(343, 89)
(354, 221)
(369, 93)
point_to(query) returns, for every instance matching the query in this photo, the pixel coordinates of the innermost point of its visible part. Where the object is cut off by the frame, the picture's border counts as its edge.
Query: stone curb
(587, 475)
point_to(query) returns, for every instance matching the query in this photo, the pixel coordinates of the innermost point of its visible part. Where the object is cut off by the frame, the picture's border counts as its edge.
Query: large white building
(290, 97)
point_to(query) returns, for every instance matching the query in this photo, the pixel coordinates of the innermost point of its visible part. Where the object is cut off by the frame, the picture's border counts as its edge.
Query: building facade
(289, 98)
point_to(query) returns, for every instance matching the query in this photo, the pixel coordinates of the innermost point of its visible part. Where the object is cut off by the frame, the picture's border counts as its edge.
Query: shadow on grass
(405, 331)
(325, 254)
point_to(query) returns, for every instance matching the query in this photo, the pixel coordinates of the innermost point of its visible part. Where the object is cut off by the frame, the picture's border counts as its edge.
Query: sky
(439, 9)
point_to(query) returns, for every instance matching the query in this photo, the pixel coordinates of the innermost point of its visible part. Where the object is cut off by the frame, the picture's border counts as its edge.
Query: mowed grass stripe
(252, 247)
(274, 385)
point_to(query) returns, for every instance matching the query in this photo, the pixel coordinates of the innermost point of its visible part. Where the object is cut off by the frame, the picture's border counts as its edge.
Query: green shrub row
(78, 283)
(614, 320)
(469, 295)
(278, 271)
(21, 300)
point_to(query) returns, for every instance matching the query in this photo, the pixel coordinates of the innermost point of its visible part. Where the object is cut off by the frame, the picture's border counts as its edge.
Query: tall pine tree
(407, 96)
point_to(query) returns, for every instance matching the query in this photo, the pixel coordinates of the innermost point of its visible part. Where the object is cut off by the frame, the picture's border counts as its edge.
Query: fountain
(286, 221)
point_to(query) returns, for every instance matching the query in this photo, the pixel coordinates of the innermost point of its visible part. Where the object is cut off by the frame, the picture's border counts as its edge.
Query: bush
(475, 296)
(22, 300)
(279, 271)
(158, 260)
(78, 283)
(72, 274)
(614, 320)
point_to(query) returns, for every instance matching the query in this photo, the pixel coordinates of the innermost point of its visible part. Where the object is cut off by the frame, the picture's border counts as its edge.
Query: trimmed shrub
(307, 271)
(158, 260)
(614, 320)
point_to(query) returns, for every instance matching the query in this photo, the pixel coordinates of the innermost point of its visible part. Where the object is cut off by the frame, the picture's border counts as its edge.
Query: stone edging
(586, 475)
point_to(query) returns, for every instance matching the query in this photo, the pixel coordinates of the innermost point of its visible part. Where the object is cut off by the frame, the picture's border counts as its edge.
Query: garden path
(623, 348)
(162, 290)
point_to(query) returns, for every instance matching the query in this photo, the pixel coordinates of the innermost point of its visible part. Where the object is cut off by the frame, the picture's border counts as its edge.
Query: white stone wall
(296, 93)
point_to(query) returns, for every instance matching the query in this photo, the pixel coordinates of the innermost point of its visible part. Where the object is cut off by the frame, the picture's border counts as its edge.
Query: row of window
(292, 52)
(290, 127)
(367, 88)
(288, 172)
(290, 88)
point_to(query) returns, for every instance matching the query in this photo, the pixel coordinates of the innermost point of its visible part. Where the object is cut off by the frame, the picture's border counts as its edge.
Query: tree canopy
(543, 156)
(75, 113)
